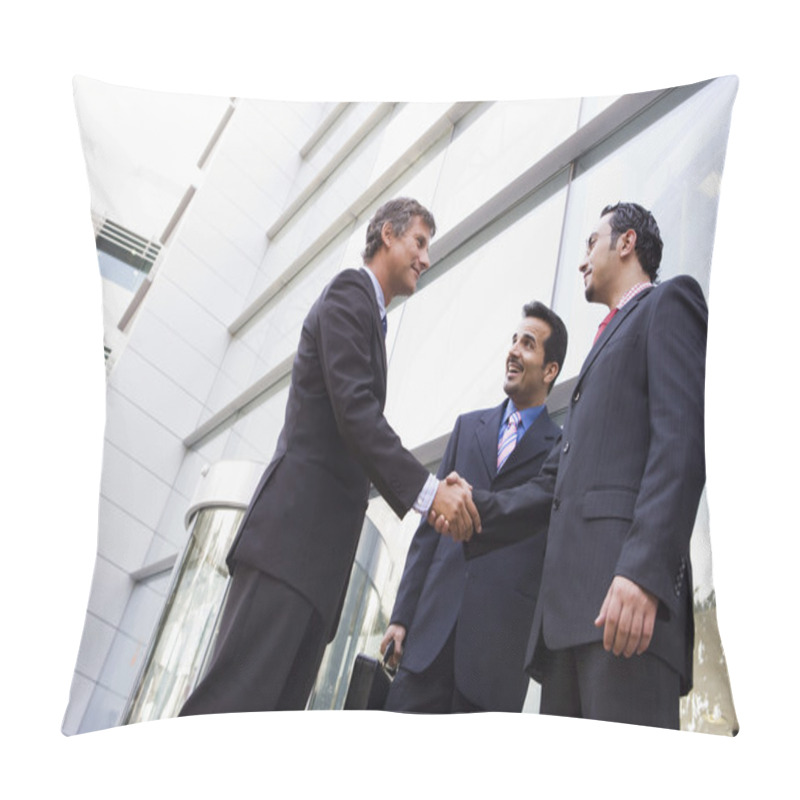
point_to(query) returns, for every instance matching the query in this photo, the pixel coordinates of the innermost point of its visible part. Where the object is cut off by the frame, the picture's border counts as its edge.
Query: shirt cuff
(424, 502)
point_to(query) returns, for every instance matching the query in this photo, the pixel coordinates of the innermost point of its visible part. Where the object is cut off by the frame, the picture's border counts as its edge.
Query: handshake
(453, 512)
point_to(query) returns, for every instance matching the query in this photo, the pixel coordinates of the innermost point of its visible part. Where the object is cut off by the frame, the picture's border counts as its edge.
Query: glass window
(362, 624)
(492, 146)
(188, 624)
(708, 708)
(672, 165)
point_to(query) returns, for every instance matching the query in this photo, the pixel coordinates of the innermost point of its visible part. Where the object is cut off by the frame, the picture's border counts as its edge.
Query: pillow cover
(218, 222)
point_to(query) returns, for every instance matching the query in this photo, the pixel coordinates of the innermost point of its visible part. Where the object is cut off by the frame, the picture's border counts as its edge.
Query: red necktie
(602, 326)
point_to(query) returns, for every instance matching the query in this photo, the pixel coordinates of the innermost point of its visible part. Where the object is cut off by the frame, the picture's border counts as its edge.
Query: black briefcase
(369, 682)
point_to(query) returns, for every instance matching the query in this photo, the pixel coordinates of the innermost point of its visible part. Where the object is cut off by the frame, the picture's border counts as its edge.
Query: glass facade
(670, 159)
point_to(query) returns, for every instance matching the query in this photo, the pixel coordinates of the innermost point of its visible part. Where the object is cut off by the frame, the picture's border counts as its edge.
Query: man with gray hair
(291, 560)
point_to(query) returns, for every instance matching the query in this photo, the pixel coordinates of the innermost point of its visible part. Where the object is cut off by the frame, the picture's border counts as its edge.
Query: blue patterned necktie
(508, 441)
(384, 326)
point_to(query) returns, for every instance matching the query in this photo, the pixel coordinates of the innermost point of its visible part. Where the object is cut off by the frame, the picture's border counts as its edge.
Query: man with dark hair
(291, 560)
(613, 632)
(460, 628)
(632, 216)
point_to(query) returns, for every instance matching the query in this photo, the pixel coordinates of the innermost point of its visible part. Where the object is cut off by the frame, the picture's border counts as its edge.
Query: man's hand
(398, 634)
(452, 511)
(628, 614)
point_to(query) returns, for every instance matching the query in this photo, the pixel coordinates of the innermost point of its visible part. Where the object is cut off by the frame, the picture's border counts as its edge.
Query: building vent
(128, 247)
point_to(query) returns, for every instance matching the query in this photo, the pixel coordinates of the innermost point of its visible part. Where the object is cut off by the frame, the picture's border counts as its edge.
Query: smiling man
(291, 560)
(460, 628)
(613, 633)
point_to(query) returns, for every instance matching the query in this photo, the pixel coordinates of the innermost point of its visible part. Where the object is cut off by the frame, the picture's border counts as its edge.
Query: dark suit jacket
(305, 518)
(491, 599)
(625, 482)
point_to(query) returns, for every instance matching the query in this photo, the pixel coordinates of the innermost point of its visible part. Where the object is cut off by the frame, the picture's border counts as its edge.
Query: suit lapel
(376, 315)
(533, 441)
(486, 433)
(536, 439)
(616, 323)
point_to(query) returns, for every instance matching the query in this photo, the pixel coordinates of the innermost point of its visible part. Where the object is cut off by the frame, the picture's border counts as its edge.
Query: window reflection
(671, 166)
(370, 597)
(708, 708)
(187, 628)
(362, 623)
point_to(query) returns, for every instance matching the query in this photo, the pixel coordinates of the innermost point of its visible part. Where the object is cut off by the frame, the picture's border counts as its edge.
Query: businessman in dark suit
(291, 560)
(613, 632)
(460, 628)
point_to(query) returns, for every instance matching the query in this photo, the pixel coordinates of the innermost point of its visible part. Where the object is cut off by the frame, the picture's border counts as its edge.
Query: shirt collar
(528, 415)
(632, 292)
(378, 291)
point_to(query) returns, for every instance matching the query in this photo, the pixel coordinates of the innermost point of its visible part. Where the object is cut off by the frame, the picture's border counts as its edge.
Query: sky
(53, 403)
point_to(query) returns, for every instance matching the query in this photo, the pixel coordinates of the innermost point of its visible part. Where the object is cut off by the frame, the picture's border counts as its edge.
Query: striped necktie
(508, 441)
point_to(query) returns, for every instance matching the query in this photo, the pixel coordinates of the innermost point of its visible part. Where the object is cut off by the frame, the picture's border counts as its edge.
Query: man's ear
(626, 242)
(387, 233)
(551, 371)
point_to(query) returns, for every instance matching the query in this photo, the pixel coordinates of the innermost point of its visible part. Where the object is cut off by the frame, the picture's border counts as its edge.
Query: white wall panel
(103, 710)
(187, 318)
(122, 664)
(171, 525)
(151, 390)
(200, 282)
(132, 487)
(203, 235)
(157, 344)
(80, 693)
(95, 642)
(122, 540)
(109, 594)
(216, 211)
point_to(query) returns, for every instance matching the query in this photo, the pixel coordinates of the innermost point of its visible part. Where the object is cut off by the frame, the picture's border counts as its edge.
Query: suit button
(566, 447)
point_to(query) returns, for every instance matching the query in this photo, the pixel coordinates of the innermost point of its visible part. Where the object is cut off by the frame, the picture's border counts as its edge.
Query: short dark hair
(649, 245)
(399, 213)
(555, 347)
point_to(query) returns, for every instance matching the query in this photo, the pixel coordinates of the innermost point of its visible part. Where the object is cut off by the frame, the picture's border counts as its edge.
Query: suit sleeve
(512, 515)
(423, 546)
(346, 330)
(658, 540)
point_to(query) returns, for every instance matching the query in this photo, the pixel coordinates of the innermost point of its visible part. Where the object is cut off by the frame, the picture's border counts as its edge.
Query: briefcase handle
(385, 660)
